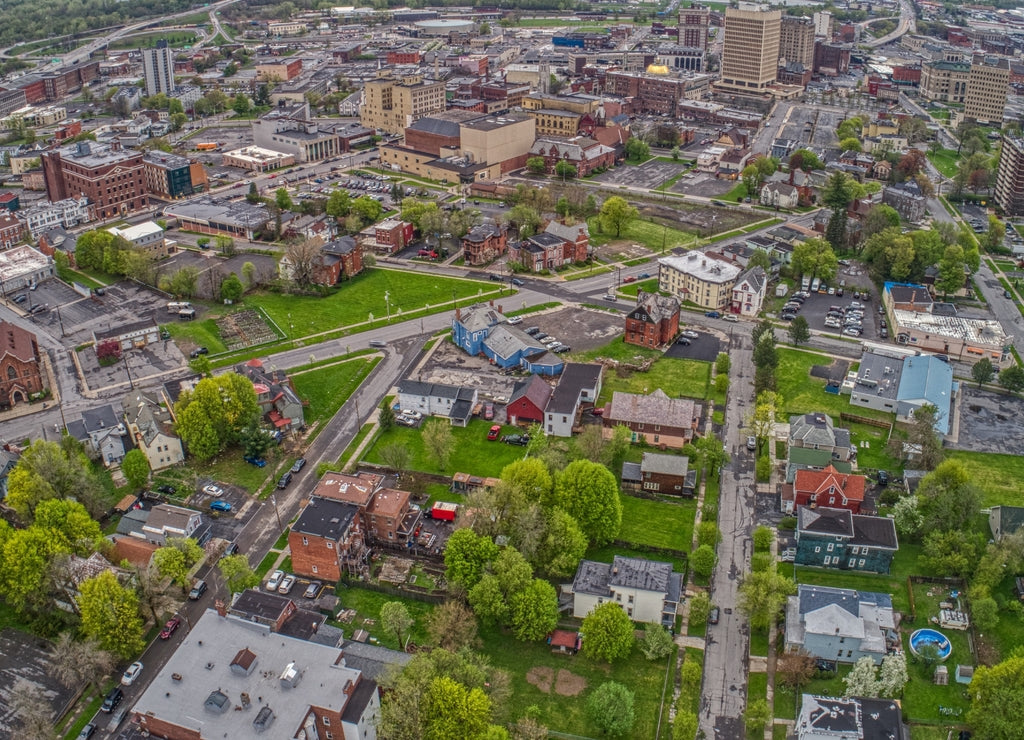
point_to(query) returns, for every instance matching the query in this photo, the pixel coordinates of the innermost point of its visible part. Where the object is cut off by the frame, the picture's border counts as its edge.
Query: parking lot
(990, 422)
(705, 346)
(815, 309)
(225, 525)
(650, 174)
(154, 359)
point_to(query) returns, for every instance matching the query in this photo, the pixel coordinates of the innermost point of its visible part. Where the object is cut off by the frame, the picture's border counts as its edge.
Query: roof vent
(291, 676)
(264, 719)
(217, 702)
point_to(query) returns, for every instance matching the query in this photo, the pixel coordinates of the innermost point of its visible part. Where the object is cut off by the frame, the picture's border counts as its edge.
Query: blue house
(841, 624)
(481, 329)
(838, 538)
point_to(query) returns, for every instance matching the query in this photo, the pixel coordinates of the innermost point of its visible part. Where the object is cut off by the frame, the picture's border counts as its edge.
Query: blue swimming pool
(928, 636)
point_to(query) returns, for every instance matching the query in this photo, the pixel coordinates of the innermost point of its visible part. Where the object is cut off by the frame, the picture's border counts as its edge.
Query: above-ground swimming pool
(928, 636)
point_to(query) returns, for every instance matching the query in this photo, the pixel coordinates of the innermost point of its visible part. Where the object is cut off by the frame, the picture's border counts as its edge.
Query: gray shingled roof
(655, 408)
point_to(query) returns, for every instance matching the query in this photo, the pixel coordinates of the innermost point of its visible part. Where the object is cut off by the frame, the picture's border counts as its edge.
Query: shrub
(764, 469)
(703, 560)
(761, 561)
(763, 539)
(708, 534)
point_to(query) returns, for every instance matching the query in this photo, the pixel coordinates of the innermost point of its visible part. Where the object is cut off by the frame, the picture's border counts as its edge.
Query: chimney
(491, 303)
(501, 309)
(458, 314)
(221, 607)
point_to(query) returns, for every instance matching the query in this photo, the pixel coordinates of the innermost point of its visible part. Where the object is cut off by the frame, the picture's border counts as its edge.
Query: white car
(213, 490)
(412, 414)
(275, 580)
(286, 584)
(690, 334)
(131, 674)
(513, 320)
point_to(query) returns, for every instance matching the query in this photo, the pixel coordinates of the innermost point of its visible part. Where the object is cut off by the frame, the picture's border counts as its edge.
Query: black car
(299, 464)
(198, 589)
(494, 277)
(88, 731)
(285, 480)
(20, 298)
(198, 351)
(231, 549)
(883, 478)
(112, 700)
(516, 439)
(169, 490)
(713, 615)
(683, 341)
(532, 331)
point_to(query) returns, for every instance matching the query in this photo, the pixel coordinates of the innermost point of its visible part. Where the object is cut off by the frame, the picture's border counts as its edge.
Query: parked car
(198, 351)
(518, 282)
(198, 589)
(172, 624)
(644, 275)
(561, 348)
(751, 443)
(690, 334)
(494, 432)
(532, 330)
(213, 490)
(112, 700)
(286, 584)
(312, 590)
(488, 410)
(220, 505)
(496, 278)
(712, 314)
(513, 320)
(129, 676)
(20, 298)
(714, 615)
(259, 462)
(731, 317)
(609, 297)
(516, 439)
(285, 480)
(378, 343)
(87, 732)
(883, 478)
(231, 549)
(629, 279)
(275, 580)
(299, 464)
(405, 421)
(412, 414)
(683, 341)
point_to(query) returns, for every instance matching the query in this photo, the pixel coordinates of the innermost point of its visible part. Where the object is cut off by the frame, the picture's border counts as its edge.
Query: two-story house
(838, 538)
(454, 402)
(385, 514)
(654, 322)
(817, 432)
(152, 429)
(749, 291)
(481, 329)
(655, 418)
(662, 474)
(528, 400)
(825, 487)
(326, 540)
(166, 521)
(647, 590)
(484, 243)
(279, 405)
(102, 433)
(579, 384)
(841, 624)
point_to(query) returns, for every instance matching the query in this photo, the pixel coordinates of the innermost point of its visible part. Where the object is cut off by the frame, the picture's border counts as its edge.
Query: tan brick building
(796, 41)
(391, 103)
(750, 52)
(987, 88)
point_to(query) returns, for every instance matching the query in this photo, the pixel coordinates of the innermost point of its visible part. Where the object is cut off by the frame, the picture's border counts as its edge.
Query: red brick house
(326, 540)
(528, 401)
(584, 153)
(484, 243)
(20, 373)
(829, 488)
(340, 258)
(389, 236)
(654, 418)
(11, 231)
(654, 322)
(558, 244)
(383, 513)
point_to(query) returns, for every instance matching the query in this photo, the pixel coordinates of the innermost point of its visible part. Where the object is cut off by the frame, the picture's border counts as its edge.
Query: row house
(326, 540)
(152, 430)
(388, 237)
(559, 244)
(484, 243)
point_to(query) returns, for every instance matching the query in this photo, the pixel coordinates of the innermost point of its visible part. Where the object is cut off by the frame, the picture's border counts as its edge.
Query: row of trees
(215, 414)
(895, 255)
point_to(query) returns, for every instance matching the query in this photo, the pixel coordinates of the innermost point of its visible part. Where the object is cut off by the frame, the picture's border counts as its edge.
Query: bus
(207, 146)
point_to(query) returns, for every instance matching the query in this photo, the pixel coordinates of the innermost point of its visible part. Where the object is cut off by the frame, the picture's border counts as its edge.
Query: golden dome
(657, 69)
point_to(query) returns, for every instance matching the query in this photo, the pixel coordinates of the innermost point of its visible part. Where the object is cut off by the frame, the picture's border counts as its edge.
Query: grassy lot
(643, 677)
(367, 605)
(473, 452)
(586, 272)
(658, 523)
(69, 275)
(804, 394)
(648, 286)
(354, 444)
(329, 387)
(998, 476)
(199, 333)
(944, 161)
(229, 467)
(652, 235)
(606, 554)
(757, 686)
(759, 642)
(264, 567)
(690, 378)
(618, 350)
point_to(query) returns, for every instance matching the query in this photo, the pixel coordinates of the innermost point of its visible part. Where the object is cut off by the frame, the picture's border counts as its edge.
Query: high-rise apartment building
(987, 87)
(750, 52)
(391, 103)
(158, 69)
(1010, 179)
(823, 24)
(796, 41)
(693, 26)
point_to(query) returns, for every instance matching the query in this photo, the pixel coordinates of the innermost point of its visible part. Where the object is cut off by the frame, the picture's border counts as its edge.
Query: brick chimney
(221, 607)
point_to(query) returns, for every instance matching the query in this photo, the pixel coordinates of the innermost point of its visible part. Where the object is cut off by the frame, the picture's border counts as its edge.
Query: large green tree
(616, 214)
(466, 556)
(110, 615)
(763, 596)
(215, 412)
(610, 707)
(48, 470)
(135, 467)
(533, 610)
(395, 618)
(608, 633)
(949, 499)
(451, 710)
(589, 493)
(237, 573)
(815, 258)
(70, 525)
(997, 700)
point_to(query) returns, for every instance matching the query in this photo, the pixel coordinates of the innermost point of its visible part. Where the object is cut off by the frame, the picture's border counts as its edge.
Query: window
(831, 546)
(327, 721)
(631, 599)
(817, 548)
(828, 560)
(330, 545)
(831, 499)
(853, 562)
(314, 568)
(860, 563)
(305, 540)
(849, 653)
(854, 550)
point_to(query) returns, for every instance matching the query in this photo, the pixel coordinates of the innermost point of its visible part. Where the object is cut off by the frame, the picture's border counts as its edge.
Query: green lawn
(564, 714)
(757, 686)
(328, 388)
(229, 467)
(677, 377)
(998, 476)
(652, 235)
(367, 605)
(606, 553)
(617, 350)
(199, 333)
(648, 286)
(804, 394)
(354, 444)
(473, 452)
(944, 161)
(658, 523)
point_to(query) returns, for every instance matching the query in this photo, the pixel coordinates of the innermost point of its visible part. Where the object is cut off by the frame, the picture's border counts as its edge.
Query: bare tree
(149, 585)
(304, 258)
(395, 456)
(34, 713)
(75, 663)
(453, 626)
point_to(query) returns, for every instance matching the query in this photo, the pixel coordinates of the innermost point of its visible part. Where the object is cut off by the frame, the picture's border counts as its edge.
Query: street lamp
(387, 303)
(273, 500)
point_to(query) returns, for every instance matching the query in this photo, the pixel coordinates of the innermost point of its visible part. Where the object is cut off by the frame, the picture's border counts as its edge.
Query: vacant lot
(677, 378)
(662, 523)
(327, 388)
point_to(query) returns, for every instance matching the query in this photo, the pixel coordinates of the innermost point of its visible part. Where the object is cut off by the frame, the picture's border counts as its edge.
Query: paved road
(907, 24)
(725, 658)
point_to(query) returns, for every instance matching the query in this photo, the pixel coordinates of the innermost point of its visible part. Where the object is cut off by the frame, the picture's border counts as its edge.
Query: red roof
(820, 481)
(277, 420)
(564, 638)
(254, 362)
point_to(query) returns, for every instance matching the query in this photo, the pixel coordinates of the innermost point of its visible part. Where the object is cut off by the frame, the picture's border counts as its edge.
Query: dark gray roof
(258, 605)
(823, 520)
(813, 598)
(342, 245)
(854, 717)
(646, 575)
(631, 472)
(371, 659)
(534, 389)
(653, 462)
(103, 417)
(874, 531)
(546, 239)
(324, 517)
(356, 704)
(917, 294)
(576, 377)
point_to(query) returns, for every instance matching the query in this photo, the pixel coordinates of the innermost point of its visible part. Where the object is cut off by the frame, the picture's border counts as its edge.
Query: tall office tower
(158, 68)
(823, 24)
(796, 41)
(987, 88)
(1010, 179)
(693, 26)
(750, 52)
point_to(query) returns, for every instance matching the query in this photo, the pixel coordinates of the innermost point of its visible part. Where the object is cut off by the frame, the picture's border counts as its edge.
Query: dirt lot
(703, 184)
(990, 422)
(650, 174)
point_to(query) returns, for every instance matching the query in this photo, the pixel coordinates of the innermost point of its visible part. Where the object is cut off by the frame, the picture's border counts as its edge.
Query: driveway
(705, 347)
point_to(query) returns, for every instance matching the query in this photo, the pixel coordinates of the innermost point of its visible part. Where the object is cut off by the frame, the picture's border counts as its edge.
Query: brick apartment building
(484, 243)
(384, 514)
(326, 540)
(113, 179)
(654, 322)
(20, 372)
(389, 236)
(11, 231)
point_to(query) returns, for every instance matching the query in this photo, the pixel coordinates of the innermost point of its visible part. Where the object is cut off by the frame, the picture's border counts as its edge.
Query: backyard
(677, 377)
(658, 523)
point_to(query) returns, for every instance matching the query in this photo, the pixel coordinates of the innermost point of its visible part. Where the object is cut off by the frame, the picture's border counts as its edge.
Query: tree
(437, 438)
(616, 214)
(26, 558)
(806, 160)
(241, 104)
(609, 633)
(395, 456)
(565, 170)
(48, 470)
(703, 561)
(231, 289)
(610, 706)
(506, 576)
(951, 553)
(465, 557)
(851, 144)
(170, 562)
(799, 331)
(815, 258)
(533, 611)
(394, 617)
(700, 607)
(215, 412)
(386, 418)
(451, 710)
(33, 713)
(452, 626)
(892, 675)
(862, 680)
(183, 282)
(253, 196)
(135, 467)
(907, 516)
(637, 149)
(951, 270)
(561, 547)
(589, 493)
(763, 596)
(795, 670)
(922, 436)
(712, 453)
(993, 238)
(367, 209)
(304, 261)
(685, 725)
(879, 218)
(282, 199)
(983, 371)
(948, 498)
(1012, 378)
(757, 716)
(110, 615)
(237, 574)
(339, 203)
(657, 642)
(997, 699)
(985, 613)
(77, 663)
(526, 219)
(751, 178)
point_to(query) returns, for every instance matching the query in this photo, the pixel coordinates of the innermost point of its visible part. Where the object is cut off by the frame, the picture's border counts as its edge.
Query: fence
(865, 420)
(406, 592)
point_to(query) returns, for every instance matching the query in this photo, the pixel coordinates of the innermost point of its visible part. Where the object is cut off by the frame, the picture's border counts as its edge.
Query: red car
(628, 279)
(495, 431)
(172, 624)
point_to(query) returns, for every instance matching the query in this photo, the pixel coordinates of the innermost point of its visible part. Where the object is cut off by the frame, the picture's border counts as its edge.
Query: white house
(148, 236)
(167, 520)
(709, 159)
(151, 428)
(579, 383)
(779, 195)
(749, 291)
(102, 433)
(437, 399)
(648, 590)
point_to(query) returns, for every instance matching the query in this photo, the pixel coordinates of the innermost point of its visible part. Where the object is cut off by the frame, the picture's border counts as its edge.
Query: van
(378, 343)
(731, 317)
